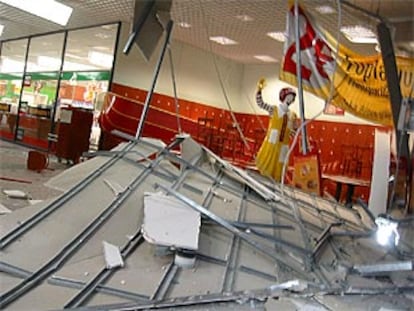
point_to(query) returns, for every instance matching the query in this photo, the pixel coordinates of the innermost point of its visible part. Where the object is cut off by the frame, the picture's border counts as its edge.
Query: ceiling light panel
(43, 8)
(223, 40)
(325, 9)
(277, 35)
(47, 63)
(184, 25)
(266, 58)
(11, 65)
(359, 34)
(208, 18)
(245, 18)
(100, 59)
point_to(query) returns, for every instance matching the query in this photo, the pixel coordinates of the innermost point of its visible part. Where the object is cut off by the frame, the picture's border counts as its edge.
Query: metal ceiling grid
(219, 18)
(98, 12)
(252, 238)
(214, 17)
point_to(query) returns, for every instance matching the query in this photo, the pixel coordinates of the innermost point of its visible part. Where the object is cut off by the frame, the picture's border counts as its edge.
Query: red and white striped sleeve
(262, 104)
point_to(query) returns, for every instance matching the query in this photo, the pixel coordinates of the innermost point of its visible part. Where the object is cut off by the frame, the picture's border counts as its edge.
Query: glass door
(11, 79)
(36, 108)
(38, 98)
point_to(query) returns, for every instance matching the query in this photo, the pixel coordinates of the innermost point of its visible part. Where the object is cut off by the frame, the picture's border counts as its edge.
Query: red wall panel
(336, 143)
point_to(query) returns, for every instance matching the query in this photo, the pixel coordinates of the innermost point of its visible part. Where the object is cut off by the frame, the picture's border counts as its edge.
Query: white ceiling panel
(219, 18)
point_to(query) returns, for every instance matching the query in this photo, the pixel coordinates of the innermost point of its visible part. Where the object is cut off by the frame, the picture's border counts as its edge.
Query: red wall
(343, 148)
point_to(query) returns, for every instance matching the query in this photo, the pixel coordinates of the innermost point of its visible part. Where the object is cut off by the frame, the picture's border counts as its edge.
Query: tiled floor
(14, 175)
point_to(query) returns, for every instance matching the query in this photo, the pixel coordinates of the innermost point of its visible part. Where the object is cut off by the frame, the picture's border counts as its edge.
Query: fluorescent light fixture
(387, 234)
(74, 56)
(359, 34)
(1, 29)
(184, 25)
(277, 35)
(48, 9)
(71, 66)
(101, 35)
(223, 40)
(74, 50)
(108, 27)
(100, 59)
(102, 48)
(10, 65)
(245, 18)
(48, 62)
(325, 9)
(266, 58)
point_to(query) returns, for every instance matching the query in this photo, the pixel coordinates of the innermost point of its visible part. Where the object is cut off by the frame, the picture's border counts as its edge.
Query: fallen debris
(4, 210)
(24, 181)
(112, 255)
(16, 194)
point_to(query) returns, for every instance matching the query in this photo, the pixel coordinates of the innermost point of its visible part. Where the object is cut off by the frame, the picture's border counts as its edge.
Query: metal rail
(85, 293)
(165, 282)
(70, 283)
(232, 257)
(55, 262)
(15, 233)
(172, 270)
(81, 297)
(234, 230)
(187, 164)
(259, 295)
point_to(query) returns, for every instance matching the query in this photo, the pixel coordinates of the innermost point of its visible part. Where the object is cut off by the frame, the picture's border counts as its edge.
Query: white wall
(195, 73)
(197, 79)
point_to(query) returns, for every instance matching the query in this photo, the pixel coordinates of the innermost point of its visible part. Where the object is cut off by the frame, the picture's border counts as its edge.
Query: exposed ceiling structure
(246, 22)
(253, 245)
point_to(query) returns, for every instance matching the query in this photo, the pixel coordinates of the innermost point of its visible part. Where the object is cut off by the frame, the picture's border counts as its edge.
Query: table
(350, 182)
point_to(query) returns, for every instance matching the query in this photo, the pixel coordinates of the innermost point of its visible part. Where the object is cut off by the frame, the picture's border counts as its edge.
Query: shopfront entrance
(41, 76)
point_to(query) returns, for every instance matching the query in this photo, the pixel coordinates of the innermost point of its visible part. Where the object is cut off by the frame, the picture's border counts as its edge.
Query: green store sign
(68, 75)
(11, 76)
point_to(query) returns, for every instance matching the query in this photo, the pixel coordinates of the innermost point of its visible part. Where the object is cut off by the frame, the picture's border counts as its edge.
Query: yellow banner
(360, 85)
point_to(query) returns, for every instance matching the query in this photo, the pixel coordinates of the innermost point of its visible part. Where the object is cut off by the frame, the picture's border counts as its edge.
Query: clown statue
(272, 153)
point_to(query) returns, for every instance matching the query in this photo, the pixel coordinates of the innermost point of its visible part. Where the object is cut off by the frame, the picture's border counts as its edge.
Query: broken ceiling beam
(383, 268)
(165, 283)
(86, 291)
(71, 283)
(244, 236)
(323, 238)
(61, 200)
(295, 288)
(245, 178)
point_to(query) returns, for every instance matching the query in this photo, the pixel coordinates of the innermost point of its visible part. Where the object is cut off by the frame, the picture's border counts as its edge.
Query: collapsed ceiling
(257, 244)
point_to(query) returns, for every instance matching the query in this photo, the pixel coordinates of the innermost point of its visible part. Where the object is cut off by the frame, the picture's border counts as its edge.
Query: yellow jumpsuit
(272, 153)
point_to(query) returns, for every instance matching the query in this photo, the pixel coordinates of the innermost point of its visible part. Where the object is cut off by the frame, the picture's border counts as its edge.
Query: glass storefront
(39, 89)
(66, 70)
(13, 55)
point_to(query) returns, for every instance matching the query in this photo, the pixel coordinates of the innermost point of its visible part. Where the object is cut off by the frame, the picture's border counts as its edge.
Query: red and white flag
(360, 85)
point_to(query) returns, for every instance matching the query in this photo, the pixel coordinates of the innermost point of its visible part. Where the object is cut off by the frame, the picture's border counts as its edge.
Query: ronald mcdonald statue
(272, 153)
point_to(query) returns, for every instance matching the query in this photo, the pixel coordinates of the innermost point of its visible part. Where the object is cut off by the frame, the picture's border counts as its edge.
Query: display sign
(306, 173)
(360, 84)
(27, 80)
